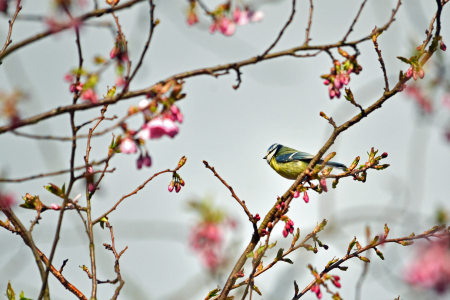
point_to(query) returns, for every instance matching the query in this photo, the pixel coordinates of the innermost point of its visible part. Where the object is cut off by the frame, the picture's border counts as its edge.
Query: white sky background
(278, 101)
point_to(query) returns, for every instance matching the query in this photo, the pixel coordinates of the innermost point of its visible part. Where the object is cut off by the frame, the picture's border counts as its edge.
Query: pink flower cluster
(226, 25)
(288, 227)
(431, 267)
(176, 184)
(340, 74)
(86, 94)
(157, 127)
(206, 239)
(415, 72)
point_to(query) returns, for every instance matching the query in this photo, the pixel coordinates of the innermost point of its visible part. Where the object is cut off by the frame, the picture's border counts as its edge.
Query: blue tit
(289, 162)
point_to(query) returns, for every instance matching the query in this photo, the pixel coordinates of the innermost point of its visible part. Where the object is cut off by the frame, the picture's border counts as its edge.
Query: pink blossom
(206, 239)
(68, 78)
(335, 280)
(240, 17)
(114, 52)
(170, 128)
(316, 289)
(6, 200)
(192, 18)
(176, 114)
(73, 88)
(171, 186)
(227, 27)
(177, 187)
(157, 128)
(285, 232)
(409, 72)
(145, 132)
(147, 160)
(55, 206)
(213, 27)
(421, 73)
(127, 145)
(139, 162)
(305, 197)
(256, 15)
(120, 81)
(323, 184)
(90, 95)
(431, 267)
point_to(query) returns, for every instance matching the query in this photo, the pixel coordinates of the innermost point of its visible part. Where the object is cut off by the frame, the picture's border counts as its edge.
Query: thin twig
(311, 8)
(354, 21)
(11, 23)
(233, 194)
(49, 174)
(132, 193)
(281, 32)
(380, 59)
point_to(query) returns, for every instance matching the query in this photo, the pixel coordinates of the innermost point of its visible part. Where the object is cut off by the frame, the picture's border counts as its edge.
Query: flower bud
(323, 184)
(270, 225)
(147, 160)
(177, 187)
(182, 182)
(296, 194)
(139, 162)
(285, 233)
(409, 72)
(442, 46)
(171, 187)
(384, 155)
(182, 161)
(305, 197)
(263, 233)
(421, 73)
(55, 206)
(257, 217)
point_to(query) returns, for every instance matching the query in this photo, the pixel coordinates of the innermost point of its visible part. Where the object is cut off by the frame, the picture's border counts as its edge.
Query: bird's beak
(265, 157)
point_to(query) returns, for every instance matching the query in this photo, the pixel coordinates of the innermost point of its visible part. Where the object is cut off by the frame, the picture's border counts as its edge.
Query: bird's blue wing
(302, 156)
(305, 157)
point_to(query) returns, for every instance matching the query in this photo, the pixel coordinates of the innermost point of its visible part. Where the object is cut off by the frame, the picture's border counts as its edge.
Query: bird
(289, 162)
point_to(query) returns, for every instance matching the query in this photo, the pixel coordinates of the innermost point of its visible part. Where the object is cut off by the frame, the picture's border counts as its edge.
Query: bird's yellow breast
(289, 170)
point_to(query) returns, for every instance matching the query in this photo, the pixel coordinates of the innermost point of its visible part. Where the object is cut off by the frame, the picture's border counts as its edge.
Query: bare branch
(11, 23)
(281, 32)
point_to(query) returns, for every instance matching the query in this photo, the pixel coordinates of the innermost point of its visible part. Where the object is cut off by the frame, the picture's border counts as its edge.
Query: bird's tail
(334, 164)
